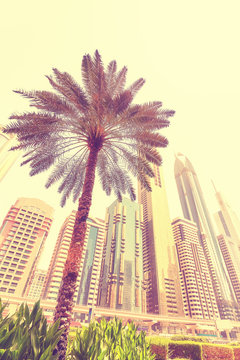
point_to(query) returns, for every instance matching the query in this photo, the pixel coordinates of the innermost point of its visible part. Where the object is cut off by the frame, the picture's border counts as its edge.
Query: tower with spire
(195, 209)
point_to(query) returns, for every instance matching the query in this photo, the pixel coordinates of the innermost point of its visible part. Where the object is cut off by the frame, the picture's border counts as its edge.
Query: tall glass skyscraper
(160, 266)
(195, 209)
(121, 280)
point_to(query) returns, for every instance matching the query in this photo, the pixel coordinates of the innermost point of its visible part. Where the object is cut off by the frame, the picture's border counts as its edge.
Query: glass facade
(121, 280)
(161, 279)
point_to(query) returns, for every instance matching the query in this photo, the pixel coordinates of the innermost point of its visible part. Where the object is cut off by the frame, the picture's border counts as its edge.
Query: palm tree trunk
(71, 269)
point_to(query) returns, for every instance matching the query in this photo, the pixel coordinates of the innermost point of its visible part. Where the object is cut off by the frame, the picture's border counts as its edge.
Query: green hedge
(216, 352)
(184, 349)
(236, 351)
(160, 351)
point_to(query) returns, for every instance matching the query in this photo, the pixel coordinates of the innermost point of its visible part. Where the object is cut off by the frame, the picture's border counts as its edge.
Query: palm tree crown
(71, 121)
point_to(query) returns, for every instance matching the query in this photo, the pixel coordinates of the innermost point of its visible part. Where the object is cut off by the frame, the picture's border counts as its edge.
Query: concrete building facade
(35, 284)
(22, 237)
(198, 296)
(160, 266)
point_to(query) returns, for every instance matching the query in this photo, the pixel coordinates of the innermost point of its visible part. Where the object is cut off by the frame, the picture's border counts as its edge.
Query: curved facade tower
(121, 281)
(195, 209)
(160, 266)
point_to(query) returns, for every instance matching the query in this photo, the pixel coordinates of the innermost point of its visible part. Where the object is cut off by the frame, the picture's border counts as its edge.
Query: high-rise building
(195, 209)
(7, 158)
(229, 241)
(197, 290)
(121, 281)
(35, 284)
(22, 237)
(160, 265)
(87, 281)
(227, 221)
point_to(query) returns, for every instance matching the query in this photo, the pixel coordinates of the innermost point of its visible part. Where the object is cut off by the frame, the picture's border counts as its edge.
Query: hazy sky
(188, 52)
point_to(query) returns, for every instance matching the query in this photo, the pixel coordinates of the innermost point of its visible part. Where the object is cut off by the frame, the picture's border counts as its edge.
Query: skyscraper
(121, 281)
(22, 237)
(87, 282)
(197, 290)
(160, 265)
(229, 241)
(227, 221)
(195, 209)
(7, 158)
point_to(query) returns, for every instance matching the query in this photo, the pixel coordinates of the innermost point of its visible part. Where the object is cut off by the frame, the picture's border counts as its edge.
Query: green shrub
(236, 351)
(109, 340)
(217, 352)
(157, 340)
(160, 351)
(189, 338)
(26, 335)
(184, 349)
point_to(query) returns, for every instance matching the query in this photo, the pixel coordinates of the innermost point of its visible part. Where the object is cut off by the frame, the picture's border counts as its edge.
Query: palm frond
(136, 86)
(122, 101)
(150, 154)
(111, 76)
(151, 139)
(120, 81)
(68, 87)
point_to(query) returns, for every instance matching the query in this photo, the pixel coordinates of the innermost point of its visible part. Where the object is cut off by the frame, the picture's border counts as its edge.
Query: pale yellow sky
(188, 52)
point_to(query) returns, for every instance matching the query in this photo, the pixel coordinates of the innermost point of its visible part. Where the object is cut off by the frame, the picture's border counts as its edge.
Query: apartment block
(197, 290)
(22, 237)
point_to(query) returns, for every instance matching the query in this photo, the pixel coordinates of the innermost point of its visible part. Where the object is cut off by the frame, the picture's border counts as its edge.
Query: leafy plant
(26, 336)
(109, 341)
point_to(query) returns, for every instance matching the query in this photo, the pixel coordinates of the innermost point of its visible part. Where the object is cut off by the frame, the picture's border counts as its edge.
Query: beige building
(22, 237)
(7, 158)
(197, 290)
(160, 267)
(35, 284)
(87, 282)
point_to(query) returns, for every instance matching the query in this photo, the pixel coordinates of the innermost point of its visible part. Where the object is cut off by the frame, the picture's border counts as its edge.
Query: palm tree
(79, 132)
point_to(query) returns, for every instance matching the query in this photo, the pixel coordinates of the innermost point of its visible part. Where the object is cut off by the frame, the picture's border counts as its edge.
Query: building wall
(163, 293)
(197, 290)
(22, 237)
(87, 281)
(121, 281)
(35, 284)
(195, 209)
